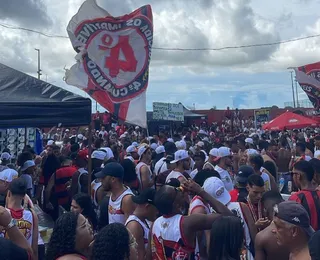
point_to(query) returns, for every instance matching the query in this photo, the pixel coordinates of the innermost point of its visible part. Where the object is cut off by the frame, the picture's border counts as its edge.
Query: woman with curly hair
(82, 203)
(71, 237)
(114, 242)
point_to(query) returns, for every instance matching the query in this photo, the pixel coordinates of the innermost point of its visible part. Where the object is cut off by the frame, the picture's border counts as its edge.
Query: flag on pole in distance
(308, 77)
(112, 64)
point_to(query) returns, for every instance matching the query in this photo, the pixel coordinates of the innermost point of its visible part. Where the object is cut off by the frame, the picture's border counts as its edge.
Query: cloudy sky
(243, 78)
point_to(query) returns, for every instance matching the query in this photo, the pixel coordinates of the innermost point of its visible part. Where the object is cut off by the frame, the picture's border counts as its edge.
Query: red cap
(83, 154)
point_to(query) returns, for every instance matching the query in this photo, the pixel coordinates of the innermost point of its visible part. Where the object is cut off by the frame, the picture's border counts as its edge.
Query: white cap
(249, 140)
(170, 140)
(202, 132)
(142, 149)
(206, 139)
(50, 142)
(67, 130)
(135, 144)
(181, 145)
(317, 154)
(251, 151)
(214, 152)
(109, 153)
(153, 146)
(224, 152)
(180, 155)
(122, 136)
(100, 155)
(80, 136)
(27, 165)
(200, 144)
(137, 127)
(8, 175)
(131, 149)
(160, 149)
(5, 156)
(215, 187)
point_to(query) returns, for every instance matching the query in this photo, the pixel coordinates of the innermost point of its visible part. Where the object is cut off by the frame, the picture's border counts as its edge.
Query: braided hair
(63, 238)
(112, 243)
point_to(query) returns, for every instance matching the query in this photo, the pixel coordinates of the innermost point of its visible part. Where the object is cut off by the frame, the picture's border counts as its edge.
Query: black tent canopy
(29, 102)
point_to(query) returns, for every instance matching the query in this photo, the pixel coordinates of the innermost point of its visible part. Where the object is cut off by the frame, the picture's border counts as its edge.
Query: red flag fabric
(113, 59)
(289, 120)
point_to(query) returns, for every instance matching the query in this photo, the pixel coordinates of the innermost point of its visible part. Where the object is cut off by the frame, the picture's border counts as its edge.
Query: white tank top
(114, 210)
(81, 171)
(205, 166)
(144, 226)
(138, 172)
(24, 224)
(197, 202)
(168, 240)
(95, 185)
(235, 208)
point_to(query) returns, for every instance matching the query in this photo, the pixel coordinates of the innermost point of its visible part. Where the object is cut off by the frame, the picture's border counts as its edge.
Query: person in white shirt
(225, 162)
(121, 205)
(213, 158)
(199, 159)
(144, 173)
(161, 165)
(182, 161)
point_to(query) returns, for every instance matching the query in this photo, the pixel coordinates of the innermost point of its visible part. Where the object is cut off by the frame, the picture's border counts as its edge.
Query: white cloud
(182, 24)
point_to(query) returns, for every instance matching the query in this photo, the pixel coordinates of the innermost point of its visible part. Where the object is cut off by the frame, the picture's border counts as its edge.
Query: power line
(176, 49)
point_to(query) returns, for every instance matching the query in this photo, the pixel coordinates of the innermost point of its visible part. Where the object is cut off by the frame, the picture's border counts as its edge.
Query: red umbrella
(289, 120)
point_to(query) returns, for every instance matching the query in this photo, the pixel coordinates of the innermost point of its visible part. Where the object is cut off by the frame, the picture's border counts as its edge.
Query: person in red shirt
(307, 195)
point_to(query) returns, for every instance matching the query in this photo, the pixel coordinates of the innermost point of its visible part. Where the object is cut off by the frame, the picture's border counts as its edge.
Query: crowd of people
(199, 194)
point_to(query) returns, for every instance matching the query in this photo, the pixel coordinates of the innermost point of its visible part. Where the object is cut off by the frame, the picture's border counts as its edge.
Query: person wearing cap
(27, 172)
(6, 177)
(215, 187)
(173, 234)
(79, 182)
(212, 161)
(121, 205)
(131, 153)
(27, 220)
(56, 193)
(224, 164)
(138, 222)
(250, 143)
(307, 195)
(5, 160)
(266, 246)
(160, 165)
(182, 161)
(256, 162)
(144, 173)
(293, 229)
(97, 192)
(240, 192)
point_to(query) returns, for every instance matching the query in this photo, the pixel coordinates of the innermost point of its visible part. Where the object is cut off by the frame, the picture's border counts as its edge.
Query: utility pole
(293, 98)
(297, 95)
(39, 70)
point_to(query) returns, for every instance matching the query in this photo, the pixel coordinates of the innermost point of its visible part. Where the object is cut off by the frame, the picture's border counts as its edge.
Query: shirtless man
(266, 246)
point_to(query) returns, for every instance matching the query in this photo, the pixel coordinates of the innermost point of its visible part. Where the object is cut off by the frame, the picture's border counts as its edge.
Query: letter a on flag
(113, 59)
(308, 77)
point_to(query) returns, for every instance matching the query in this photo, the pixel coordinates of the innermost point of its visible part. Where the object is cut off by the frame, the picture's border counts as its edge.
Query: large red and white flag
(308, 77)
(113, 59)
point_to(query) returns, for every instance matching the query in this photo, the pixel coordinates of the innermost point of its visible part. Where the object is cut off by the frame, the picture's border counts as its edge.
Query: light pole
(294, 101)
(297, 96)
(39, 70)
